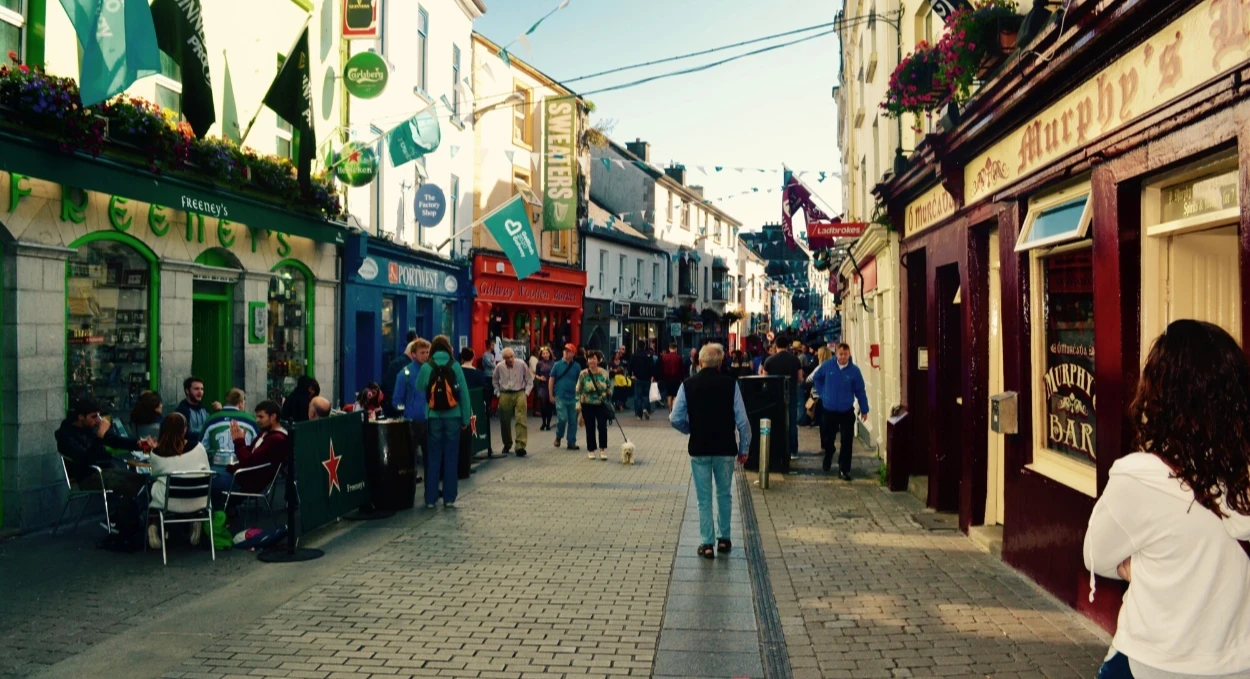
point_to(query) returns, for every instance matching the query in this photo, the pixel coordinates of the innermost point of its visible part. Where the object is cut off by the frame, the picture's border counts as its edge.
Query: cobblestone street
(558, 566)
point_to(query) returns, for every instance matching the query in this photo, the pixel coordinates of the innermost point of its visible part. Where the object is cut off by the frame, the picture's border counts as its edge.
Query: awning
(105, 175)
(719, 263)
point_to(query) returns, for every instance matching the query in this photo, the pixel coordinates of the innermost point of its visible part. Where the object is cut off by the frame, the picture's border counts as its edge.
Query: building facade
(119, 280)
(1048, 238)
(870, 319)
(626, 277)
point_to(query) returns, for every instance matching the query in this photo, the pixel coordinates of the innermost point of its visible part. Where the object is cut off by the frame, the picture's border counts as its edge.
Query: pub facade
(1082, 202)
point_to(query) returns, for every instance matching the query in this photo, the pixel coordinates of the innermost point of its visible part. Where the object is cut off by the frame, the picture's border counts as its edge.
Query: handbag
(810, 406)
(655, 393)
(622, 381)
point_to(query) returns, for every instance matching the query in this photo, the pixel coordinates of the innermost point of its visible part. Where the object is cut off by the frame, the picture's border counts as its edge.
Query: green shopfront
(119, 281)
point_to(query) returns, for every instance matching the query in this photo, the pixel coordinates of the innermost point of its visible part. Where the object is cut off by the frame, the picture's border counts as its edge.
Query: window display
(106, 291)
(1068, 383)
(288, 331)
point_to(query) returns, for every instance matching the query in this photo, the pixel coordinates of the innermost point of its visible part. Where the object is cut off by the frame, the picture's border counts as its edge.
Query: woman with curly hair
(1170, 516)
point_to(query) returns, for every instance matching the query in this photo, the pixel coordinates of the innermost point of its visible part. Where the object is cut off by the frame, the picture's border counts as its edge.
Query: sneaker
(590, 455)
(154, 536)
(429, 506)
(844, 476)
(197, 531)
(603, 456)
(449, 505)
(574, 446)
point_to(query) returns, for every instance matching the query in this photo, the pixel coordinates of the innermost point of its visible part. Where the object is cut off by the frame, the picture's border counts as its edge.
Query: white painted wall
(879, 324)
(647, 291)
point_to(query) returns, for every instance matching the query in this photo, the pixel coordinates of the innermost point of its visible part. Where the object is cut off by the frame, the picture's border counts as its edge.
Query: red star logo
(332, 468)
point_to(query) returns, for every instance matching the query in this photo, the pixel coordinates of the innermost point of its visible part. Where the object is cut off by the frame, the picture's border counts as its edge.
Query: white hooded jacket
(1187, 609)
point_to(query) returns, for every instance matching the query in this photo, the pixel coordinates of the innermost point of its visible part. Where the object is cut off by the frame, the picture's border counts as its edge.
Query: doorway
(946, 463)
(918, 374)
(366, 341)
(211, 338)
(996, 450)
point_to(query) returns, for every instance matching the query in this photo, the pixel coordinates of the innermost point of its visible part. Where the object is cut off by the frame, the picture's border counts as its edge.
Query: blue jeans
(566, 420)
(1116, 668)
(642, 397)
(704, 470)
(442, 455)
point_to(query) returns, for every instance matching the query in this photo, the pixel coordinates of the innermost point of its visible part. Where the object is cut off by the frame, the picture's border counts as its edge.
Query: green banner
(510, 226)
(560, 170)
(481, 423)
(329, 468)
(417, 137)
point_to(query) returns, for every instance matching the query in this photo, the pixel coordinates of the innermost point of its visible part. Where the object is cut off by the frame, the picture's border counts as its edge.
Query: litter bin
(768, 397)
(389, 464)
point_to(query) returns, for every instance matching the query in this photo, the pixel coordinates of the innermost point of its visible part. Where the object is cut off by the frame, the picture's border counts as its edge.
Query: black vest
(710, 409)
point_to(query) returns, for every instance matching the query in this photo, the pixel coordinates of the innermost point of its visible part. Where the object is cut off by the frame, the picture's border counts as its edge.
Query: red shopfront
(544, 309)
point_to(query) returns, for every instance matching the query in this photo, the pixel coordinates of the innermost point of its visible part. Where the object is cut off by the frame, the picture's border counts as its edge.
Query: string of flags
(820, 175)
(523, 39)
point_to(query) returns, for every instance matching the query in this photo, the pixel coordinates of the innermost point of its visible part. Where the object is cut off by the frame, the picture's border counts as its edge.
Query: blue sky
(758, 112)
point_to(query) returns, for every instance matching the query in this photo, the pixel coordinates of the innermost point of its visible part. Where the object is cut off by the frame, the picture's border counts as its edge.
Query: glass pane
(1209, 193)
(1068, 307)
(10, 37)
(107, 326)
(389, 351)
(284, 148)
(1058, 220)
(170, 69)
(15, 5)
(449, 318)
(169, 99)
(288, 331)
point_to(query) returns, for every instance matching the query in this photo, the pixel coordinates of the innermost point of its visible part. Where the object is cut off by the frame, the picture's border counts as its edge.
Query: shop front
(1042, 271)
(597, 326)
(389, 291)
(545, 309)
(639, 323)
(124, 282)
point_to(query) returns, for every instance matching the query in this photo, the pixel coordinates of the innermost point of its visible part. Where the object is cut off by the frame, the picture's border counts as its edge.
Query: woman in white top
(169, 456)
(1170, 517)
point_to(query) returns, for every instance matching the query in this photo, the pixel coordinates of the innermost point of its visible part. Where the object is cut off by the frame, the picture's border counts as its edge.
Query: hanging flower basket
(915, 86)
(977, 40)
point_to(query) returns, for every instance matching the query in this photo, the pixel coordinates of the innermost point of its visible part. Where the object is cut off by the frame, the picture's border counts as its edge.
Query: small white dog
(627, 453)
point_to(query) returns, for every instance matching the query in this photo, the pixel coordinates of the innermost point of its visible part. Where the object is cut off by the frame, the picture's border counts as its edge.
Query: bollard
(766, 427)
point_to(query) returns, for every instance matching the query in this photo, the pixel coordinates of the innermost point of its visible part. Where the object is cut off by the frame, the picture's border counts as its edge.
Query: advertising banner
(330, 468)
(365, 75)
(415, 138)
(510, 226)
(360, 19)
(560, 169)
(821, 235)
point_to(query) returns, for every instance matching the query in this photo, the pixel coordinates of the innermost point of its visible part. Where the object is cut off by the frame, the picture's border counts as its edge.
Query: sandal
(723, 546)
(707, 552)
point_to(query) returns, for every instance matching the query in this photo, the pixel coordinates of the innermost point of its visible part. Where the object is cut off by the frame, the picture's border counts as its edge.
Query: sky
(762, 111)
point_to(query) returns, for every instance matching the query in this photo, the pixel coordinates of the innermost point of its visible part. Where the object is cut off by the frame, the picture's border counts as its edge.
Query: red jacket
(269, 447)
(670, 366)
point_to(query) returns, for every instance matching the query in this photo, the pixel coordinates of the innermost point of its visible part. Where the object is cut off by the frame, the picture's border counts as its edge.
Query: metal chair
(266, 495)
(188, 498)
(76, 493)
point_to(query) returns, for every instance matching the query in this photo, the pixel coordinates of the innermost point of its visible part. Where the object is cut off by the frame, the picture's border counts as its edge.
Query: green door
(210, 340)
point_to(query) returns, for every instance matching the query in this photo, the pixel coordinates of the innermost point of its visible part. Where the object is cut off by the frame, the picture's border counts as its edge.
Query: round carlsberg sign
(365, 75)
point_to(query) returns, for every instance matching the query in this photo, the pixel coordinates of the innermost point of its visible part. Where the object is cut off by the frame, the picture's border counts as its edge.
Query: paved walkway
(552, 567)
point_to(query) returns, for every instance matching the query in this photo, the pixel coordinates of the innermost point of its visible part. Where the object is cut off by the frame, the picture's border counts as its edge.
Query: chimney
(698, 190)
(677, 173)
(639, 148)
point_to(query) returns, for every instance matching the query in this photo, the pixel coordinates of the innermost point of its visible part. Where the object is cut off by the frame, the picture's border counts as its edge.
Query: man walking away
(564, 376)
(840, 384)
(513, 382)
(391, 374)
(671, 373)
(192, 408)
(703, 405)
(408, 397)
(217, 438)
(785, 364)
(642, 372)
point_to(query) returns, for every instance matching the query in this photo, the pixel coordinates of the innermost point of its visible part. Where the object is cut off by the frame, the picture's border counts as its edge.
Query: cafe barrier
(481, 436)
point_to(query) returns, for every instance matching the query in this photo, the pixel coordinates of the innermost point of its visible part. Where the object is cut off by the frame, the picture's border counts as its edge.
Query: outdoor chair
(265, 496)
(188, 499)
(76, 493)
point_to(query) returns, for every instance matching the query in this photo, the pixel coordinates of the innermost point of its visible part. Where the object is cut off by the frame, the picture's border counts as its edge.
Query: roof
(523, 66)
(617, 230)
(671, 183)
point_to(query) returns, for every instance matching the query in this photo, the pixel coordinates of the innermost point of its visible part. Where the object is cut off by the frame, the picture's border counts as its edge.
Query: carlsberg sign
(365, 75)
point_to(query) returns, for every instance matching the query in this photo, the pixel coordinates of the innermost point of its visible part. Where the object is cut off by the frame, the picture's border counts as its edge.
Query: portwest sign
(365, 75)
(409, 276)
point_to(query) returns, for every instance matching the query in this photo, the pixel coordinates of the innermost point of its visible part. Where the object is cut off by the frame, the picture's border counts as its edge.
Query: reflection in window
(288, 331)
(389, 349)
(1068, 383)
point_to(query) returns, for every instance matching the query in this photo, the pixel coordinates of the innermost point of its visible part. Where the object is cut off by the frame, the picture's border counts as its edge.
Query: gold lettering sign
(1206, 41)
(930, 208)
(1200, 196)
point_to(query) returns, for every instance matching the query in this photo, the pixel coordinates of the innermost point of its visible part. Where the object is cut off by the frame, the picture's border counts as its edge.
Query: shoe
(724, 545)
(197, 532)
(646, 414)
(844, 476)
(707, 551)
(505, 451)
(590, 455)
(557, 443)
(603, 456)
(429, 506)
(449, 505)
(154, 536)
(573, 446)
(521, 452)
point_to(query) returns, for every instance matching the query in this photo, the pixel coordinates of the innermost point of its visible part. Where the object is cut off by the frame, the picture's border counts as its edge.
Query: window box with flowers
(915, 86)
(978, 40)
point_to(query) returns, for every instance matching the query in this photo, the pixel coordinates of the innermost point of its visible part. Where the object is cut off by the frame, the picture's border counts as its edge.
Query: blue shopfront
(390, 290)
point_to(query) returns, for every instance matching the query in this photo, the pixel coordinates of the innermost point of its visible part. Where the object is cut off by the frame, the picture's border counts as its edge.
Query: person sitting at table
(147, 414)
(81, 440)
(270, 447)
(171, 455)
(319, 408)
(216, 437)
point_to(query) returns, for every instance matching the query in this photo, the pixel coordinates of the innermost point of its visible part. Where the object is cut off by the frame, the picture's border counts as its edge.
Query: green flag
(510, 226)
(290, 96)
(118, 45)
(414, 138)
(181, 36)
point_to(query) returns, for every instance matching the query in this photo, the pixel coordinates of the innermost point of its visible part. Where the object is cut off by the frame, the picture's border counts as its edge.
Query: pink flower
(23, 68)
(13, 56)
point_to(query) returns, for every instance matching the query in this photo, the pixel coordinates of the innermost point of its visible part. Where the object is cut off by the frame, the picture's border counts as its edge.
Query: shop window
(290, 302)
(108, 302)
(1062, 273)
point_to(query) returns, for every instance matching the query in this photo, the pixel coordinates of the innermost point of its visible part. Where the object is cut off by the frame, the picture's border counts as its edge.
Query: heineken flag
(560, 187)
(118, 45)
(510, 226)
(290, 96)
(180, 34)
(414, 138)
(329, 468)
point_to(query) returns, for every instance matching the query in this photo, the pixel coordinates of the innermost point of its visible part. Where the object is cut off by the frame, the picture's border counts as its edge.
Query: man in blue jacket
(564, 376)
(840, 384)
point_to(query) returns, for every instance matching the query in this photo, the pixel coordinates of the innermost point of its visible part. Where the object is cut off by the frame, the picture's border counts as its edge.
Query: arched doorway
(212, 329)
(111, 293)
(291, 349)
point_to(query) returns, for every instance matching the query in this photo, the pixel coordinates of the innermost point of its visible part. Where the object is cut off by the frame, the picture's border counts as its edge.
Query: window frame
(453, 186)
(620, 275)
(1040, 205)
(603, 270)
(655, 280)
(284, 131)
(455, 82)
(423, 49)
(17, 18)
(526, 140)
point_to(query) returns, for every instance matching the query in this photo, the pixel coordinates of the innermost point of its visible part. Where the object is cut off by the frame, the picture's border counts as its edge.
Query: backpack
(443, 392)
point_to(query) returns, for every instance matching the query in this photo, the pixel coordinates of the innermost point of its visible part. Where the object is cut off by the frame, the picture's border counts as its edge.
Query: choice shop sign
(381, 270)
(207, 218)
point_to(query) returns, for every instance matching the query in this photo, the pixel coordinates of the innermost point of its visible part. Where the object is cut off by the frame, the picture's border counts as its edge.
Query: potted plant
(914, 86)
(977, 40)
(34, 101)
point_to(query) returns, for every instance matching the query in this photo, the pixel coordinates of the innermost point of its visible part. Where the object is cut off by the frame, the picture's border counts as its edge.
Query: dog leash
(617, 420)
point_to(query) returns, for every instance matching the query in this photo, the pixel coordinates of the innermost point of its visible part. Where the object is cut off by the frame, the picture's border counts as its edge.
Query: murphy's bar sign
(1198, 46)
(930, 208)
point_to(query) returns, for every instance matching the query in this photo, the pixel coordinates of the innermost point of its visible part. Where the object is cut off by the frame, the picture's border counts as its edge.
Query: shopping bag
(655, 393)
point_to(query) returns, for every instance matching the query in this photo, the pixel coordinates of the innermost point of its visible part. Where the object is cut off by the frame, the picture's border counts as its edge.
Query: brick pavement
(864, 591)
